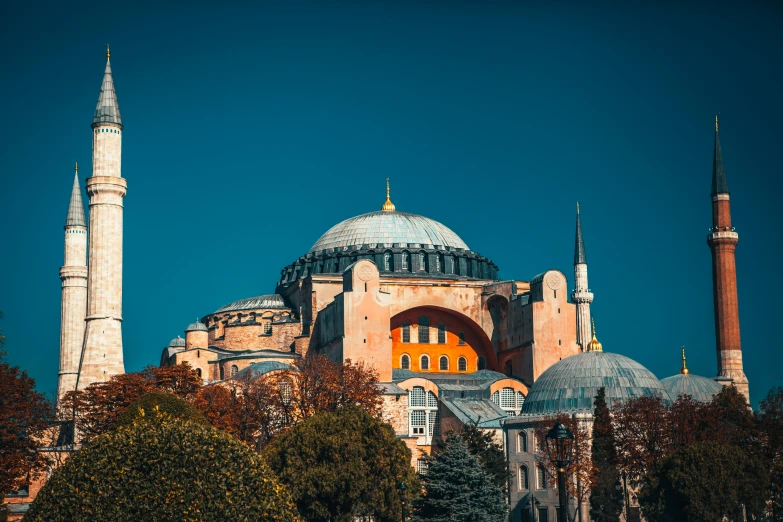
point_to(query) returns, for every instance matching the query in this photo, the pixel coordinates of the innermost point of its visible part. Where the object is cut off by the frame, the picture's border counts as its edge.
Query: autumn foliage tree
(24, 415)
(97, 408)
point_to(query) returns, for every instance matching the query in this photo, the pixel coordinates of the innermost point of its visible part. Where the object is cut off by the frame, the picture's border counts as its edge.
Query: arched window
(422, 262)
(234, 370)
(424, 420)
(198, 371)
(462, 364)
(482, 363)
(406, 332)
(268, 327)
(540, 478)
(523, 483)
(520, 400)
(522, 442)
(424, 329)
(221, 374)
(387, 261)
(509, 400)
(285, 390)
(439, 263)
(461, 338)
(405, 362)
(406, 261)
(441, 333)
(443, 363)
(425, 362)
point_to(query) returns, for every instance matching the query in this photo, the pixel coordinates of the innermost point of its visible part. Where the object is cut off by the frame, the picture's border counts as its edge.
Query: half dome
(700, 388)
(385, 228)
(570, 385)
(270, 301)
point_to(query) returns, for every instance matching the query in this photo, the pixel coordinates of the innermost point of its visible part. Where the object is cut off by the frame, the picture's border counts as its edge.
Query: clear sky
(251, 129)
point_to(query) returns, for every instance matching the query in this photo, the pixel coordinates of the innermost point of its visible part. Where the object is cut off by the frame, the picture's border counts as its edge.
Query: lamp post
(402, 487)
(560, 445)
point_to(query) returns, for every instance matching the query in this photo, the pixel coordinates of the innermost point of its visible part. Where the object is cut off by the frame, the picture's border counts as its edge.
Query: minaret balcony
(582, 297)
(723, 234)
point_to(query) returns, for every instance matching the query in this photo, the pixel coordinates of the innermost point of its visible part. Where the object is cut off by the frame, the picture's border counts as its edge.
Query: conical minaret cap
(720, 184)
(107, 110)
(580, 258)
(75, 216)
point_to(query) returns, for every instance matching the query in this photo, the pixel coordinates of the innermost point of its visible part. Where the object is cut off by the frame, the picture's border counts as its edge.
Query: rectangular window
(418, 421)
(406, 333)
(462, 341)
(441, 333)
(434, 424)
(421, 466)
(543, 514)
(418, 397)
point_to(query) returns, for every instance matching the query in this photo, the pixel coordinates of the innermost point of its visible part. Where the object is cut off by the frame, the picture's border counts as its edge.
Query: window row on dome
(396, 261)
(444, 363)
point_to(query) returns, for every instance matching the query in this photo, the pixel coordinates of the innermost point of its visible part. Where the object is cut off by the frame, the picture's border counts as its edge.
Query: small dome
(700, 388)
(177, 342)
(196, 326)
(571, 384)
(268, 301)
(385, 228)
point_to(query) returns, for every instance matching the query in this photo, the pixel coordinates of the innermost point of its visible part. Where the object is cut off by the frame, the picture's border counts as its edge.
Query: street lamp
(402, 487)
(560, 445)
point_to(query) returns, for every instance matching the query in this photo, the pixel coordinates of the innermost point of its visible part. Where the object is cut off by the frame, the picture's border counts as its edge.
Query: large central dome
(385, 228)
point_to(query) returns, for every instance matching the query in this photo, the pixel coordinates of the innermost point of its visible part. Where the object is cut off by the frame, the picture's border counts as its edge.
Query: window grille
(444, 363)
(387, 261)
(425, 362)
(441, 333)
(285, 391)
(424, 329)
(268, 327)
(417, 397)
(421, 466)
(461, 338)
(496, 398)
(540, 478)
(405, 260)
(422, 262)
(507, 399)
(438, 263)
(405, 362)
(520, 400)
(432, 400)
(418, 421)
(434, 424)
(523, 484)
(462, 364)
(406, 332)
(522, 444)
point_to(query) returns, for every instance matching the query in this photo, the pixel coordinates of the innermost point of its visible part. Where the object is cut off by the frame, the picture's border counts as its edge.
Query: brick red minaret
(723, 242)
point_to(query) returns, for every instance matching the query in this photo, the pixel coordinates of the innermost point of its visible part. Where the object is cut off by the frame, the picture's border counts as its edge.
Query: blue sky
(251, 129)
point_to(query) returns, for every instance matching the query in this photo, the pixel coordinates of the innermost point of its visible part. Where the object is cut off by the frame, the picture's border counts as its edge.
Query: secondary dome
(177, 342)
(196, 326)
(386, 228)
(262, 301)
(570, 385)
(700, 388)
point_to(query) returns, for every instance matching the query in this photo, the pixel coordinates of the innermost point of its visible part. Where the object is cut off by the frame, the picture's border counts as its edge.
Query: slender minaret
(102, 355)
(723, 242)
(582, 295)
(73, 303)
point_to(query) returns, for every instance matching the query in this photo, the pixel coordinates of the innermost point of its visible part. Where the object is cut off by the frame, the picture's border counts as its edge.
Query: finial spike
(684, 369)
(77, 167)
(716, 122)
(388, 206)
(108, 52)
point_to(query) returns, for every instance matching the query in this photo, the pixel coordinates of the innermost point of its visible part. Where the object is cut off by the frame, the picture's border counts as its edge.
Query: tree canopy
(341, 465)
(606, 500)
(488, 452)
(161, 469)
(146, 406)
(457, 489)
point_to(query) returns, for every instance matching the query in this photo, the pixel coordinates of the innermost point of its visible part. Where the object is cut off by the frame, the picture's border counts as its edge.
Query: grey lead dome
(570, 385)
(385, 229)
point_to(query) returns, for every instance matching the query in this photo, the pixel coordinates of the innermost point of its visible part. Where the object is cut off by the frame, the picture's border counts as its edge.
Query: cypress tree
(457, 489)
(606, 500)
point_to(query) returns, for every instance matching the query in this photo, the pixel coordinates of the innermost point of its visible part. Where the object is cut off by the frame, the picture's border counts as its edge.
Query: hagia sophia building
(451, 341)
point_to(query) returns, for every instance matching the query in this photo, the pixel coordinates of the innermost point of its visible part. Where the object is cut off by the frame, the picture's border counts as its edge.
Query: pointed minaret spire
(684, 369)
(76, 206)
(579, 246)
(388, 206)
(107, 110)
(719, 183)
(582, 295)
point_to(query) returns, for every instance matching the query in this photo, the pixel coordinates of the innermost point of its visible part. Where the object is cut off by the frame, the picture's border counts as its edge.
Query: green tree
(457, 489)
(606, 499)
(770, 425)
(705, 482)
(343, 464)
(152, 402)
(488, 452)
(161, 468)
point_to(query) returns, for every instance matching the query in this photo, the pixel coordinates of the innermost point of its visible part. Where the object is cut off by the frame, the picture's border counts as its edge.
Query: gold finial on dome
(388, 206)
(594, 345)
(108, 52)
(684, 369)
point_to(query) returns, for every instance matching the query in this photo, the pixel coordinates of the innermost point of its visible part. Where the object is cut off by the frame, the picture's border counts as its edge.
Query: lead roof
(75, 217)
(108, 109)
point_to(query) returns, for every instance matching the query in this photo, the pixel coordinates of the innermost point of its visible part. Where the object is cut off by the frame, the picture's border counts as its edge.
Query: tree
(606, 499)
(770, 425)
(580, 470)
(161, 468)
(24, 415)
(342, 465)
(457, 489)
(705, 482)
(97, 408)
(488, 452)
(642, 434)
(155, 402)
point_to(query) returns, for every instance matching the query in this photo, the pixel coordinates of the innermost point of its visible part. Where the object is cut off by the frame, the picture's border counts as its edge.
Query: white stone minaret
(73, 304)
(102, 356)
(582, 295)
